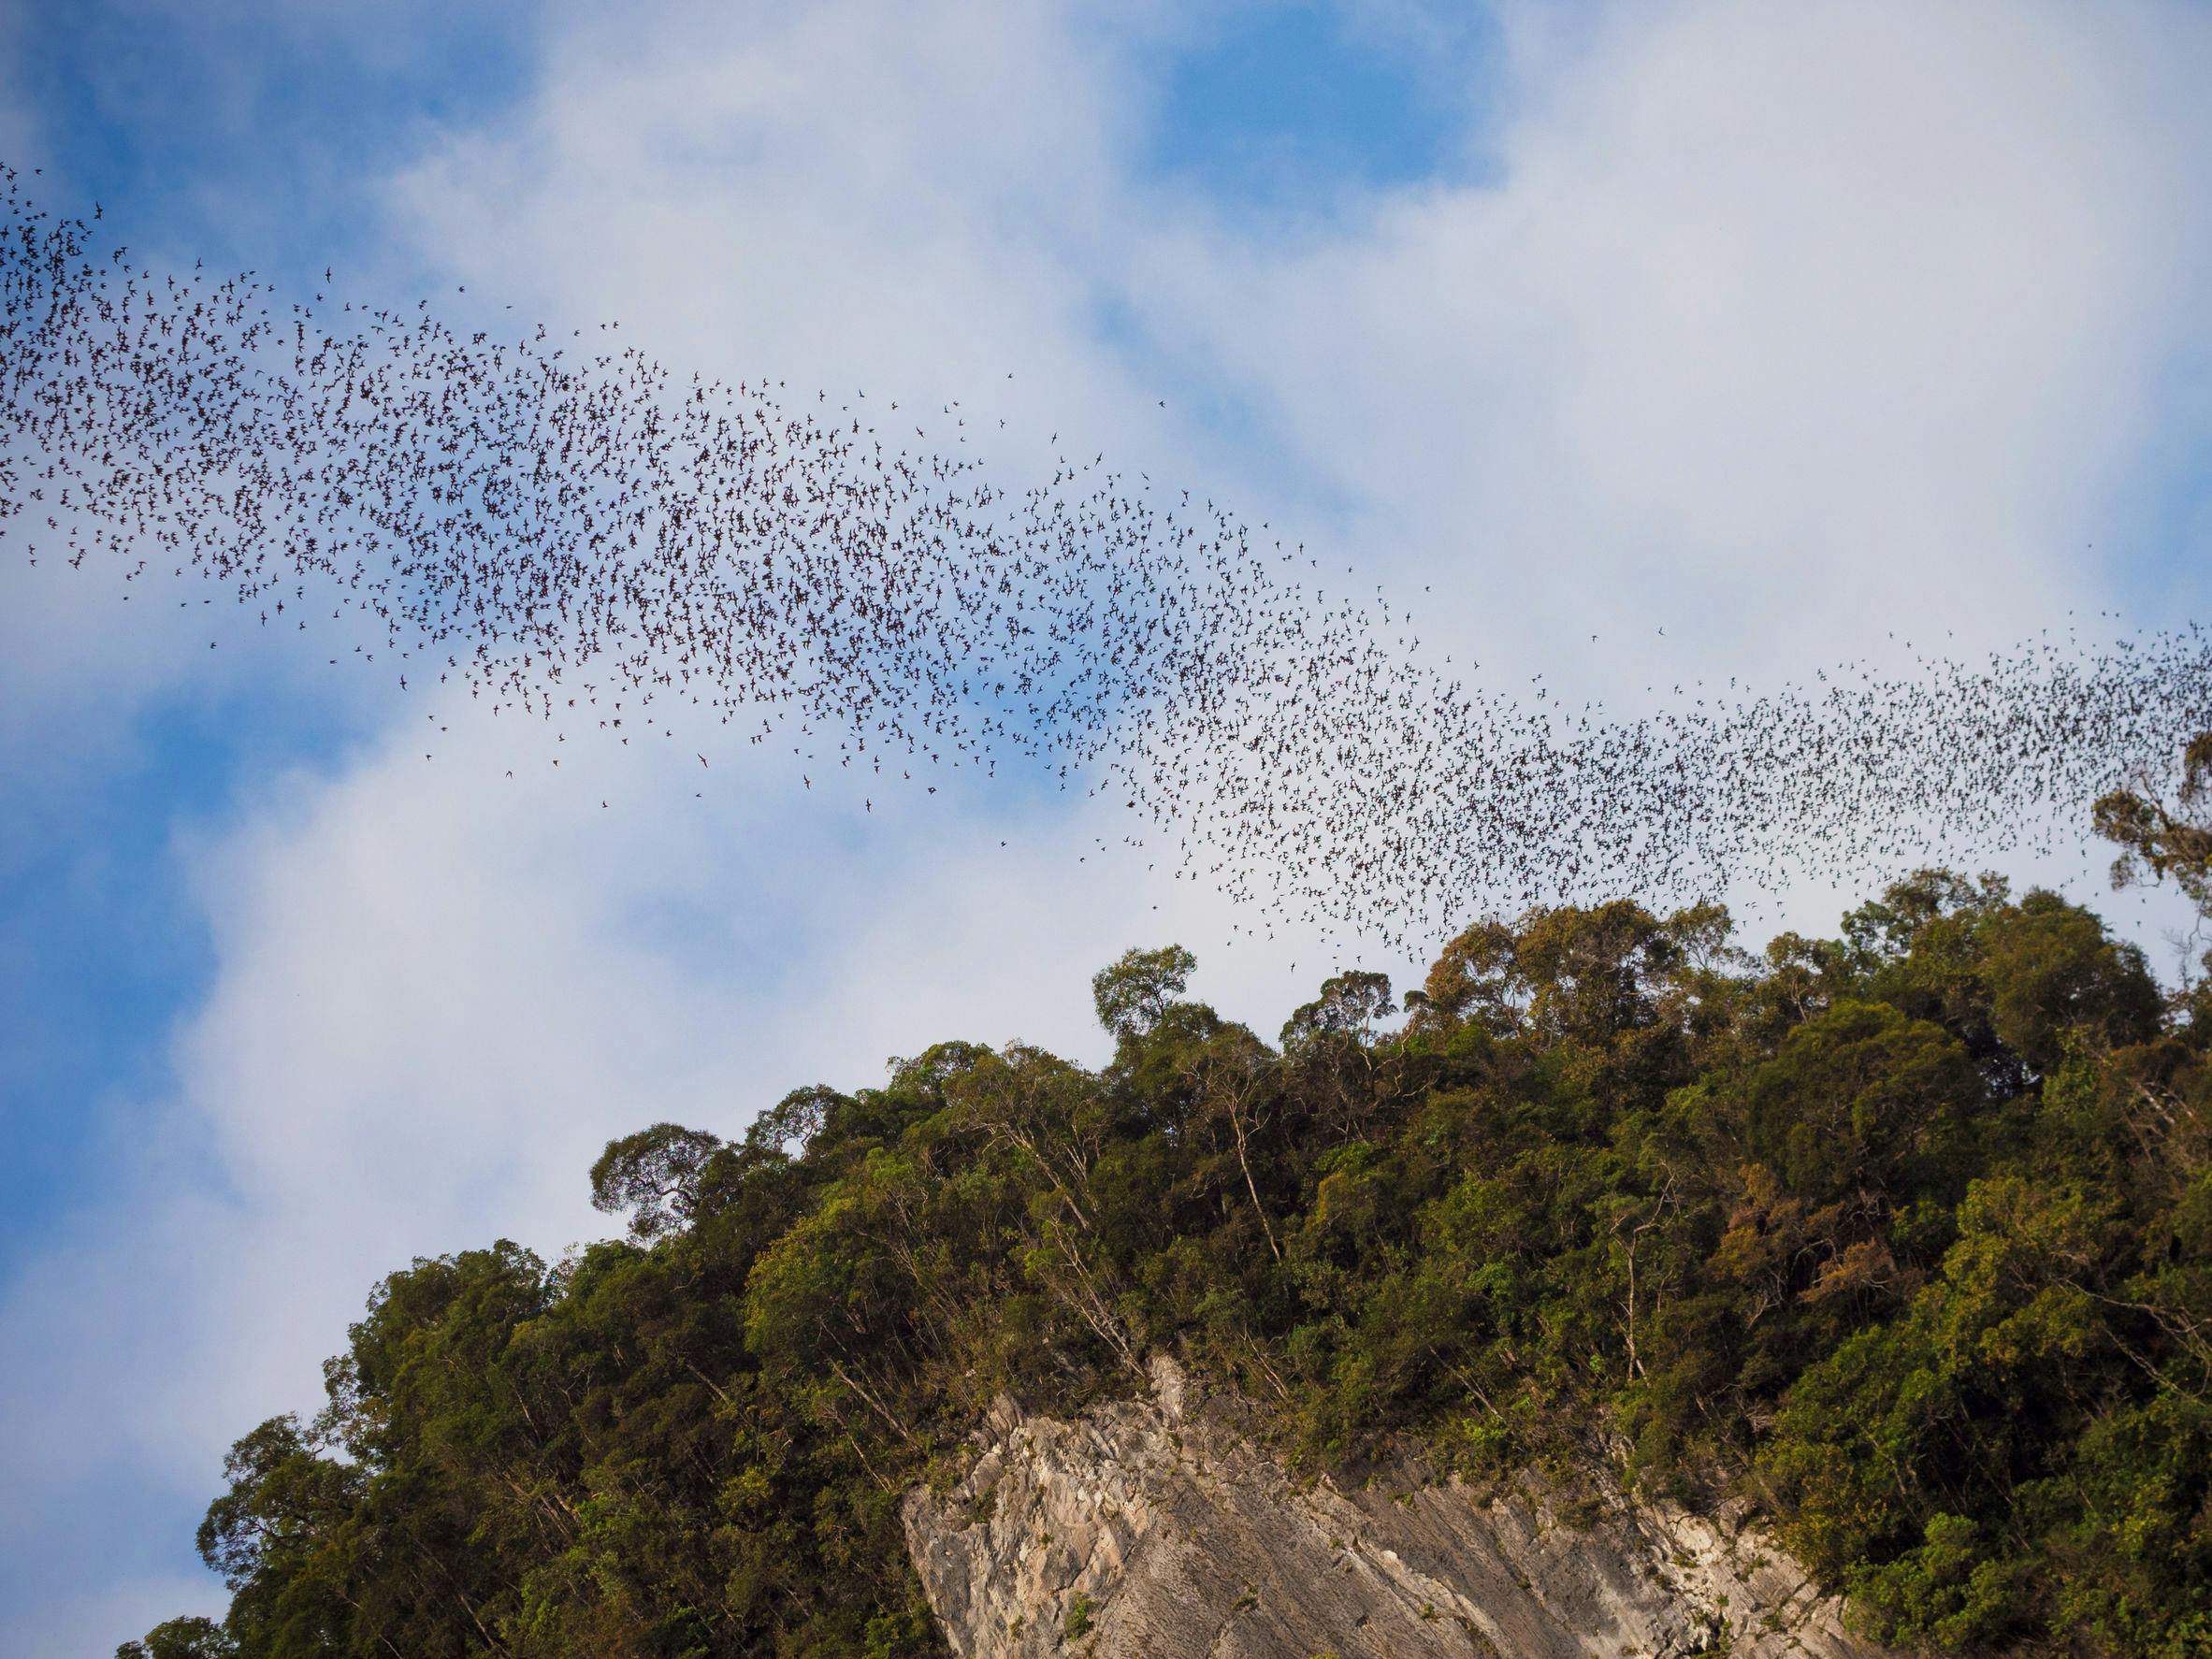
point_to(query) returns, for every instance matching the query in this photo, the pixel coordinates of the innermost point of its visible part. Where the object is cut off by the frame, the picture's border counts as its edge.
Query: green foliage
(1135, 994)
(1081, 1613)
(1905, 1236)
(180, 1638)
(655, 1175)
(2160, 842)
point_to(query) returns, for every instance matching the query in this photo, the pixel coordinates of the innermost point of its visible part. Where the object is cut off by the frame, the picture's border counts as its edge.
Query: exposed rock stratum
(1157, 1528)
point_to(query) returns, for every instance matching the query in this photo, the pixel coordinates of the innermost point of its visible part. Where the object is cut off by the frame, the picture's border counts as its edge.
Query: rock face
(1155, 1528)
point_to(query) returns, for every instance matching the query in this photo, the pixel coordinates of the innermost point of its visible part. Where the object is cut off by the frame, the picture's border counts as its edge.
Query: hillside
(1898, 1244)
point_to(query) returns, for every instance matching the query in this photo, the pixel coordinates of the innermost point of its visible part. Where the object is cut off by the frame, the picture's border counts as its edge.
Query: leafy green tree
(1134, 994)
(1905, 1236)
(193, 1638)
(654, 1175)
(2162, 842)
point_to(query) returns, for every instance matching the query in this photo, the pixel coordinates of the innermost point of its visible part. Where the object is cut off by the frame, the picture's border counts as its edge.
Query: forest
(1904, 1235)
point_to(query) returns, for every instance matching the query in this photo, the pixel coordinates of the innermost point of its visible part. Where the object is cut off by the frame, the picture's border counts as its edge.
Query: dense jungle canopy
(1904, 1234)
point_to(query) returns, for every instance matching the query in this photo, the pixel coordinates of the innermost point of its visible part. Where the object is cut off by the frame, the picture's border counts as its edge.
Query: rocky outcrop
(1156, 1528)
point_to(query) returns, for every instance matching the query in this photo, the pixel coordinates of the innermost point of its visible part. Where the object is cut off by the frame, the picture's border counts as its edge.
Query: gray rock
(1156, 1528)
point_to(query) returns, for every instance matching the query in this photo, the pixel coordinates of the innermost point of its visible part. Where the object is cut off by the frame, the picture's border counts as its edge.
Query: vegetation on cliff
(1905, 1234)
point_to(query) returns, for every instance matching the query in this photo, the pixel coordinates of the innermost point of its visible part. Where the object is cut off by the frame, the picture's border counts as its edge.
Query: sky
(1767, 325)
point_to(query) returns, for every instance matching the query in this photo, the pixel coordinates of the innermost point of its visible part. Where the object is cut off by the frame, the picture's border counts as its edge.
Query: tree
(654, 1175)
(1133, 994)
(794, 1121)
(193, 1638)
(1904, 1235)
(1349, 1004)
(2160, 842)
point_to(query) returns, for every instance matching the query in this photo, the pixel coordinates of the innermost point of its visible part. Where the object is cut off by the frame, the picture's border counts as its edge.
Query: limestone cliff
(1155, 1528)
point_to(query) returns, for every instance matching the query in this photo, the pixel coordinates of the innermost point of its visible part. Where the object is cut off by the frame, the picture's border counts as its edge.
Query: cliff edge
(1156, 1528)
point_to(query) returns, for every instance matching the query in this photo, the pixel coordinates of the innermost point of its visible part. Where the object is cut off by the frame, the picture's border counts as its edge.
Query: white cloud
(1780, 324)
(1790, 322)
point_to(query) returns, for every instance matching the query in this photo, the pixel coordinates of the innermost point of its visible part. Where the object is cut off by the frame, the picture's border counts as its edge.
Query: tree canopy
(1905, 1236)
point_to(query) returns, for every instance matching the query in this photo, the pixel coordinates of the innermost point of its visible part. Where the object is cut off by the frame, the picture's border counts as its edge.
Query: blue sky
(1269, 109)
(1577, 315)
(246, 132)
(230, 134)
(249, 143)
(243, 139)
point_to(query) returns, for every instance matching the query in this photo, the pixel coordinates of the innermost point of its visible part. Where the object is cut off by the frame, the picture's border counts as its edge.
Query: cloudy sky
(1771, 325)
